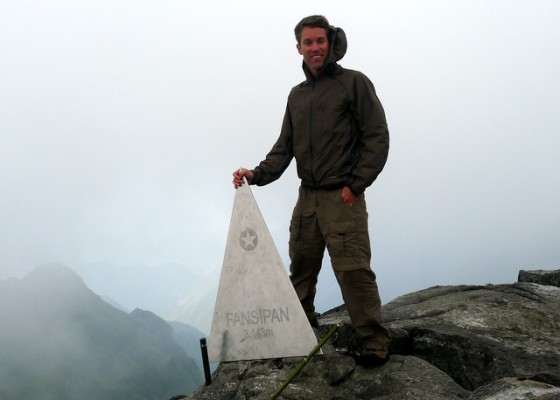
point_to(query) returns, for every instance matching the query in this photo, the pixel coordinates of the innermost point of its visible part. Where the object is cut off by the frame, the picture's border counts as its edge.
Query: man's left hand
(348, 197)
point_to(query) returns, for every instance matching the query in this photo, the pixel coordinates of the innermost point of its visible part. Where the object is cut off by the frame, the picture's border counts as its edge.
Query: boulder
(548, 278)
(516, 389)
(479, 334)
(488, 342)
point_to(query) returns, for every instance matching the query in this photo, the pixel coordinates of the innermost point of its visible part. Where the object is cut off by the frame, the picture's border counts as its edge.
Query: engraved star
(248, 240)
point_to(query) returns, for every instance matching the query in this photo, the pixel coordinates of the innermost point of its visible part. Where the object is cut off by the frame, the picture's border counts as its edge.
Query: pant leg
(307, 247)
(345, 230)
(347, 240)
(361, 296)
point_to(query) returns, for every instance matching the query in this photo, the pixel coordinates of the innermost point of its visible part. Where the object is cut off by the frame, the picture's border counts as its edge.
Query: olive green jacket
(334, 126)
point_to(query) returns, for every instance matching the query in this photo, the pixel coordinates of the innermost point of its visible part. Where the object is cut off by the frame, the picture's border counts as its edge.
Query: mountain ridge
(62, 341)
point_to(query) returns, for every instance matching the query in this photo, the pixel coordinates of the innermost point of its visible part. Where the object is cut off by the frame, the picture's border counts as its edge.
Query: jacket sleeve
(373, 141)
(278, 158)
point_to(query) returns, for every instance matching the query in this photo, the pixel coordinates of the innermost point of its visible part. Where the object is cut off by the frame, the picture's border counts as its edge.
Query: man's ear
(298, 47)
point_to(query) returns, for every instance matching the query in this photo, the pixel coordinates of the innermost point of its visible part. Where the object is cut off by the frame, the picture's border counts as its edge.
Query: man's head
(313, 21)
(312, 35)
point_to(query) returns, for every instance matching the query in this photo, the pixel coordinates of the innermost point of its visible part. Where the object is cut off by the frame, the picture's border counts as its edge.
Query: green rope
(305, 360)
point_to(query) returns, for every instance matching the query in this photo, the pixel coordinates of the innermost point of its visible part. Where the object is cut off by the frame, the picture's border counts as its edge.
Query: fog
(121, 123)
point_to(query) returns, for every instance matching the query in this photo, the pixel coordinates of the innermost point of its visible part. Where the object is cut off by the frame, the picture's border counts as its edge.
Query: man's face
(314, 47)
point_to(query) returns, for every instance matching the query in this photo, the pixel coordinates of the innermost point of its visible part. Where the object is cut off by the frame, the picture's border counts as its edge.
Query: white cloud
(121, 122)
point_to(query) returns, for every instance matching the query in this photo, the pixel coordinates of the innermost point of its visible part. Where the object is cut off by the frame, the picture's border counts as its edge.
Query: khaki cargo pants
(321, 219)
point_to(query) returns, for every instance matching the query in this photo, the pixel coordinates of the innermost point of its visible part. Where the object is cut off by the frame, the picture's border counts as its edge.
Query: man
(335, 127)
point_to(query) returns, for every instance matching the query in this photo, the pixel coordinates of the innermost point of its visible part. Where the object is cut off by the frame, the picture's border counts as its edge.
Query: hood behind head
(338, 42)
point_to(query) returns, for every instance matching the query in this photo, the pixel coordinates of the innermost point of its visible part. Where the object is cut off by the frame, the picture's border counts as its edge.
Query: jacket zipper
(311, 164)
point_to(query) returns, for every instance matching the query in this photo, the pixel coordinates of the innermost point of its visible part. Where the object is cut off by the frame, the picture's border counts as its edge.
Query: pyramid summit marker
(257, 313)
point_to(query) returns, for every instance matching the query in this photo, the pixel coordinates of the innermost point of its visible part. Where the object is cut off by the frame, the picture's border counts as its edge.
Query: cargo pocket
(341, 239)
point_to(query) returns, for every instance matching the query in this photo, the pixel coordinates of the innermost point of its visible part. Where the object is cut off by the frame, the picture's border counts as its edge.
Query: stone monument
(257, 313)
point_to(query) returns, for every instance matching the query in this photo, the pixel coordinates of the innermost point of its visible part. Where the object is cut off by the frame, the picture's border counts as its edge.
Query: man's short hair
(314, 21)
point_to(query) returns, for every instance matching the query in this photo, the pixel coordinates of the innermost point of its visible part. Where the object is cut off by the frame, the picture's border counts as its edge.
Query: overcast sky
(121, 122)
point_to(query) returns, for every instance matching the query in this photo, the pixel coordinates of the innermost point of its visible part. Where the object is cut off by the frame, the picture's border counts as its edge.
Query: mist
(121, 123)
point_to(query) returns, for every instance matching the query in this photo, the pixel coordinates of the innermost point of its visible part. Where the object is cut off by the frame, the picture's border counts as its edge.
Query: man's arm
(374, 136)
(279, 156)
(275, 163)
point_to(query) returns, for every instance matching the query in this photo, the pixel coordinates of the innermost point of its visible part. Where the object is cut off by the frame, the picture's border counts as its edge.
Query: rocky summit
(492, 342)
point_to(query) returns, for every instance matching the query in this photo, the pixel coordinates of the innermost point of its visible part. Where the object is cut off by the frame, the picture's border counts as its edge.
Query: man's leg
(306, 252)
(304, 273)
(361, 296)
(347, 240)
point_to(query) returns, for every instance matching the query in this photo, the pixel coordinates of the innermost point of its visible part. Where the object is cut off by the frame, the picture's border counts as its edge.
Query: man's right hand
(238, 175)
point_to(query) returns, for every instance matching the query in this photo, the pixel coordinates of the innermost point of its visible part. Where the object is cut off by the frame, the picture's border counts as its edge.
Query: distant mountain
(59, 340)
(157, 288)
(189, 339)
(197, 308)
